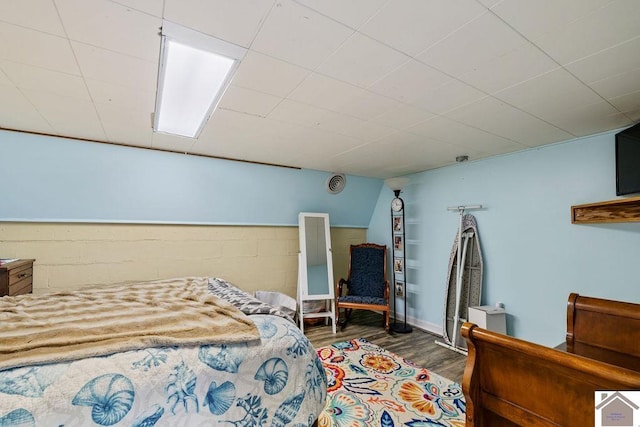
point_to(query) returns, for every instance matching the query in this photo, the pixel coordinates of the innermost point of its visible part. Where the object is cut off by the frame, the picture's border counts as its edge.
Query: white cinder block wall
(73, 255)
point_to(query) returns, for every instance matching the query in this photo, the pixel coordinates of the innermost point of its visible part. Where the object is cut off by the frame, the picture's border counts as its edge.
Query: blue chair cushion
(362, 300)
(367, 272)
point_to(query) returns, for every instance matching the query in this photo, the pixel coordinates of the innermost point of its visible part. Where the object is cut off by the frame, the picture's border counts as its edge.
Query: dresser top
(16, 263)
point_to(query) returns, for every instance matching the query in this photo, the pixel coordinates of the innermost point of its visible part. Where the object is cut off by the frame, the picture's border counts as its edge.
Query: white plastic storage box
(489, 317)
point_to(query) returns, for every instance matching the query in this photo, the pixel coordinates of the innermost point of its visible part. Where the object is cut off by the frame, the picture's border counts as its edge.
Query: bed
(512, 382)
(604, 330)
(258, 371)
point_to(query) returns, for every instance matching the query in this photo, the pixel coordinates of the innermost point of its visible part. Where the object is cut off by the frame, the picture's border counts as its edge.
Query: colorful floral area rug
(369, 386)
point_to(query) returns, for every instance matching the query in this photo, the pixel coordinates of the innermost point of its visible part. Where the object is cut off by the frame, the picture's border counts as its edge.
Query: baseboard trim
(425, 326)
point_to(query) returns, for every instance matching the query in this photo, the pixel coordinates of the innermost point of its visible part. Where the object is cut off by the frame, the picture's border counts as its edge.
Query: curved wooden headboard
(611, 326)
(512, 382)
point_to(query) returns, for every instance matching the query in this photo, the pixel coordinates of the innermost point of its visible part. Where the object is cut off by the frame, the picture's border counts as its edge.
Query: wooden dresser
(16, 277)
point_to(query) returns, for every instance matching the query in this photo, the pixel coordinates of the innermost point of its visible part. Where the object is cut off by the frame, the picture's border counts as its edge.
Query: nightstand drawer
(16, 277)
(21, 280)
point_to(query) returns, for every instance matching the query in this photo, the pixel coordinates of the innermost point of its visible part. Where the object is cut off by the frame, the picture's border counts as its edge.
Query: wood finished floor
(418, 346)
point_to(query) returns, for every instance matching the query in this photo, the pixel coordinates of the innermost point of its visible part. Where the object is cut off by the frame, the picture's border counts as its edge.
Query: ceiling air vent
(335, 183)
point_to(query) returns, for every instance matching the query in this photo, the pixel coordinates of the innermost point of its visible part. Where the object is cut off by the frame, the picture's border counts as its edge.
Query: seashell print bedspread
(276, 381)
(97, 321)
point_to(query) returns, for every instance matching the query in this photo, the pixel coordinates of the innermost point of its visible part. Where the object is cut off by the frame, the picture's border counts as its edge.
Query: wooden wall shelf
(619, 210)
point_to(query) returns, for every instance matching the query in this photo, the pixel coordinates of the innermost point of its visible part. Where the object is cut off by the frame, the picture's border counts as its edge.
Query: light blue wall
(55, 179)
(533, 256)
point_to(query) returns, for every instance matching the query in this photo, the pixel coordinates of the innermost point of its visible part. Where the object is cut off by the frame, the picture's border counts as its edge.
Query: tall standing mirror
(315, 269)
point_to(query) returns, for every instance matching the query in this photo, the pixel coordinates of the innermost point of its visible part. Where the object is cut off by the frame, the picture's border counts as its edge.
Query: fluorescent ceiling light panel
(195, 70)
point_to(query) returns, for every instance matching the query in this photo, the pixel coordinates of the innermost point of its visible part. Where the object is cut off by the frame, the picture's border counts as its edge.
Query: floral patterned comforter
(278, 381)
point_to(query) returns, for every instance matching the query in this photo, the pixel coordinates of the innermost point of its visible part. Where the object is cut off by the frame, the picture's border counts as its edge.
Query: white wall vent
(335, 183)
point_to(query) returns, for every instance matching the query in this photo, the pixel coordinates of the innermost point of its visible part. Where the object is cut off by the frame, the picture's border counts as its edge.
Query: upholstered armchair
(366, 287)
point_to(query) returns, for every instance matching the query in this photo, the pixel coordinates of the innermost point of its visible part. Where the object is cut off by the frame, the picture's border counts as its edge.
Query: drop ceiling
(377, 88)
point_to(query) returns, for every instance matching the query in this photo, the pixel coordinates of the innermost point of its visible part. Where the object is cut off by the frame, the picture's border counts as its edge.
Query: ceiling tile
(475, 44)
(588, 119)
(403, 117)
(111, 26)
(634, 115)
(342, 125)
(614, 23)
(498, 118)
(321, 146)
(17, 112)
(227, 128)
(361, 168)
(248, 101)
(298, 113)
(339, 133)
(353, 13)
(299, 35)
(534, 19)
(152, 7)
(35, 48)
(325, 92)
(71, 117)
(533, 95)
(463, 136)
(115, 68)
(401, 139)
(490, 3)
(21, 12)
(178, 144)
(608, 62)
(325, 120)
(4, 80)
(370, 131)
(377, 154)
(229, 134)
(618, 84)
(478, 112)
(509, 69)
(447, 97)
(124, 126)
(36, 78)
(400, 154)
(367, 105)
(362, 61)
(413, 25)
(628, 103)
(526, 129)
(238, 127)
(121, 96)
(437, 154)
(410, 82)
(269, 75)
(236, 21)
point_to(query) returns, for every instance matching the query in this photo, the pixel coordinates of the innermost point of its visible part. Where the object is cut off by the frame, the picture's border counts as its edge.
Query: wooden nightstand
(16, 277)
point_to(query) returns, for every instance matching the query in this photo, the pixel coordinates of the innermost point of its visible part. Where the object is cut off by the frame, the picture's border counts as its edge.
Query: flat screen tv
(628, 161)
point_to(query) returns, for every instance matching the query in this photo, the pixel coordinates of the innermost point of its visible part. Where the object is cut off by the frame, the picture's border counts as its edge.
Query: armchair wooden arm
(342, 282)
